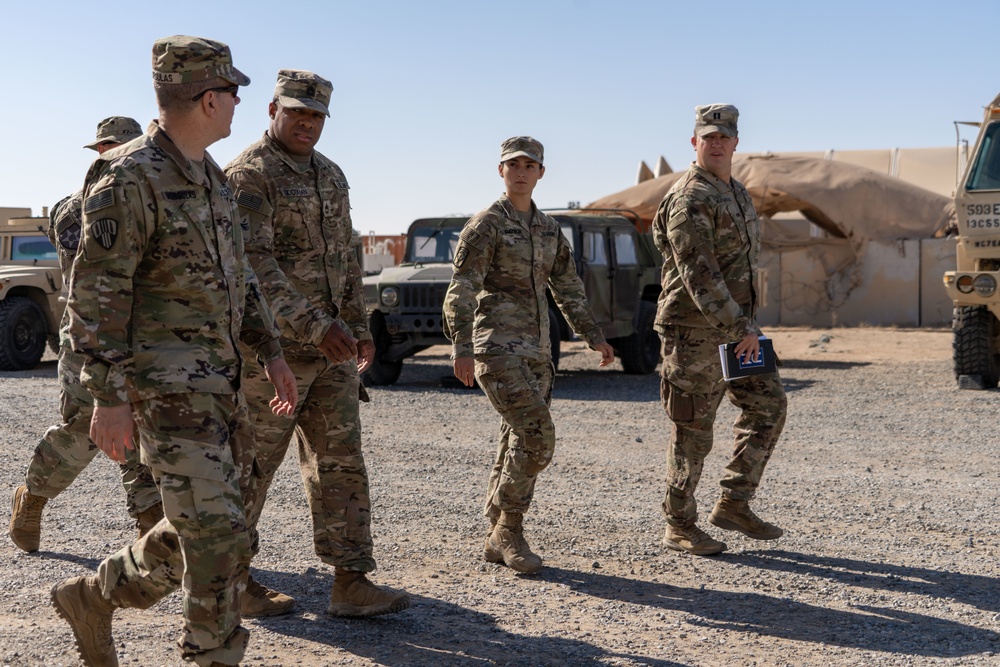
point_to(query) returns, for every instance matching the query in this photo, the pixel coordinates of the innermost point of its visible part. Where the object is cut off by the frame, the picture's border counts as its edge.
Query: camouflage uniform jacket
(300, 243)
(496, 302)
(65, 225)
(709, 235)
(161, 289)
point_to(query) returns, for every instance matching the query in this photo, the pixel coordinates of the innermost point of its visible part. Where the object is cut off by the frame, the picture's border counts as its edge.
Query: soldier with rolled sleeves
(709, 235)
(66, 448)
(497, 316)
(160, 294)
(295, 207)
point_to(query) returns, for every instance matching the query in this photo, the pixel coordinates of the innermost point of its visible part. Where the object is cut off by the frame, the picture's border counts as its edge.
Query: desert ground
(885, 481)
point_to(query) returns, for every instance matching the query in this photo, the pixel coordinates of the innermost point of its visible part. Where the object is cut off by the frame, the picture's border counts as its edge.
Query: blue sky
(425, 91)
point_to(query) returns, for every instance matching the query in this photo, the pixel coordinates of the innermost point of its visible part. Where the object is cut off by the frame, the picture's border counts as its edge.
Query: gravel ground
(885, 482)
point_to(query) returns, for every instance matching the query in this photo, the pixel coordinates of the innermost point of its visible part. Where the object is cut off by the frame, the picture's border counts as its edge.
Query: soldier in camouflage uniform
(294, 201)
(709, 235)
(160, 294)
(66, 449)
(497, 316)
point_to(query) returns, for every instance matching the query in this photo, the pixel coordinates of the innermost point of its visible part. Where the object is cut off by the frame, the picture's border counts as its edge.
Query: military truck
(620, 268)
(973, 286)
(30, 290)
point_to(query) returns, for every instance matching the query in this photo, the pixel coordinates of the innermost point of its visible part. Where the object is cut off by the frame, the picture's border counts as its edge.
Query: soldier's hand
(607, 353)
(286, 391)
(111, 430)
(366, 354)
(465, 370)
(749, 345)
(338, 346)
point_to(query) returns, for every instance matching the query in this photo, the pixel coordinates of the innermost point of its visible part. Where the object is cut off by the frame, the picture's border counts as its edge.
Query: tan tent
(845, 200)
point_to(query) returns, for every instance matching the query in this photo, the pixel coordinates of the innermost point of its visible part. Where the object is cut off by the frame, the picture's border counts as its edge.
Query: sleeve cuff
(268, 352)
(462, 350)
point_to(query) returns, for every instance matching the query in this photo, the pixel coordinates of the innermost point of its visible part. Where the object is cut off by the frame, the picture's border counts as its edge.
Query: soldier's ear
(541, 171)
(272, 109)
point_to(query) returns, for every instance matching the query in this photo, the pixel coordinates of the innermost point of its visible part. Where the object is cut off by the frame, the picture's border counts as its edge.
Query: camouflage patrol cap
(716, 118)
(118, 129)
(184, 59)
(518, 146)
(299, 89)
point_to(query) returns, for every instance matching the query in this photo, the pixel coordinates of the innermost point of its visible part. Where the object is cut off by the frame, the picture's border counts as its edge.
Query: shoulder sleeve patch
(249, 200)
(99, 200)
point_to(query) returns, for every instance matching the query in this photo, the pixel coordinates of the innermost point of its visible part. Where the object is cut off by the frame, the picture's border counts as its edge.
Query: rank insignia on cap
(99, 200)
(249, 200)
(105, 232)
(69, 238)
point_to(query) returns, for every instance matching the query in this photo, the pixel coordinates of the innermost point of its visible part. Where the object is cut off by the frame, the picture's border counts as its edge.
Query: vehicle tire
(640, 350)
(975, 346)
(22, 333)
(381, 372)
(554, 338)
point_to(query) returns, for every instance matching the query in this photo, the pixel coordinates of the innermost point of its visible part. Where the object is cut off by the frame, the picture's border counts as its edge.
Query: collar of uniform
(511, 212)
(292, 163)
(167, 145)
(717, 182)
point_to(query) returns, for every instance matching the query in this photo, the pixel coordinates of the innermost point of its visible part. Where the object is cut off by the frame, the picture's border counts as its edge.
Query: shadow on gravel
(823, 365)
(980, 592)
(431, 633)
(46, 369)
(870, 628)
(89, 563)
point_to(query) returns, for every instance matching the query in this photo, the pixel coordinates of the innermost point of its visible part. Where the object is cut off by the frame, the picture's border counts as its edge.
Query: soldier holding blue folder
(709, 235)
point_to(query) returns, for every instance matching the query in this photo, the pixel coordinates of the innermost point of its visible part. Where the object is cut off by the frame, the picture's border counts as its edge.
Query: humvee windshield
(985, 173)
(31, 248)
(436, 243)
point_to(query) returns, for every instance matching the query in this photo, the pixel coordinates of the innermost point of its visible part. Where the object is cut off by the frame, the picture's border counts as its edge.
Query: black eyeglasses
(225, 89)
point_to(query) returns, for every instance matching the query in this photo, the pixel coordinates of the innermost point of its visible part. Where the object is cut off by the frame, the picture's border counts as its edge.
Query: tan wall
(900, 285)
(8, 213)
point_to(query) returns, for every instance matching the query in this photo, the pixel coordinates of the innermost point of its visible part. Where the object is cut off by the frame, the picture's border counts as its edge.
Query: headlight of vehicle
(985, 285)
(964, 284)
(390, 297)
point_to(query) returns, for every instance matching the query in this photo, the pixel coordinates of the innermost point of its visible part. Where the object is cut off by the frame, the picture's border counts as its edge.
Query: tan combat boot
(80, 603)
(693, 540)
(354, 596)
(506, 544)
(259, 600)
(146, 519)
(26, 519)
(732, 514)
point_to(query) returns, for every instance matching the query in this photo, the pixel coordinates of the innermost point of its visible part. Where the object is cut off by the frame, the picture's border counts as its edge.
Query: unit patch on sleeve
(105, 232)
(69, 237)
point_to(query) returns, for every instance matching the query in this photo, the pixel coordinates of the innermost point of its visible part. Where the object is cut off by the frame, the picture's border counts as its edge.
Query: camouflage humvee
(30, 293)
(620, 268)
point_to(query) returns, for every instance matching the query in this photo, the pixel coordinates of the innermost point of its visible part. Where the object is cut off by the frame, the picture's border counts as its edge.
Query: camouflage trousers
(327, 426)
(691, 388)
(200, 449)
(65, 450)
(520, 389)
